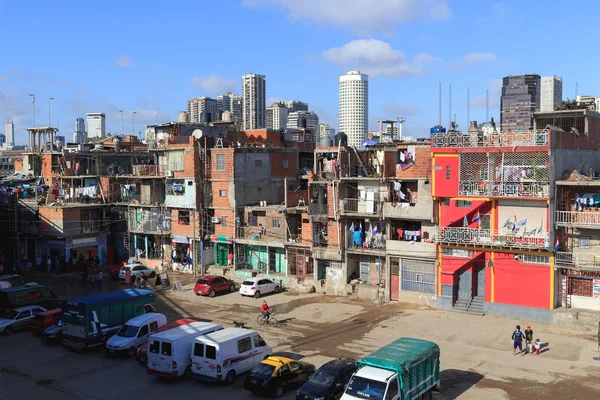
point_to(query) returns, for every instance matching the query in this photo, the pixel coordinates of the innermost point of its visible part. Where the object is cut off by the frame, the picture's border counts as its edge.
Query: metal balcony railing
(149, 221)
(149, 170)
(586, 261)
(582, 218)
(504, 188)
(360, 206)
(479, 139)
(487, 237)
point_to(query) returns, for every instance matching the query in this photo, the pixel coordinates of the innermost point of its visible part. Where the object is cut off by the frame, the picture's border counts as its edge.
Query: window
(258, 163)
(166, 349)
(183, 217)
(447, 172)
(581, 286)
(144, 331)
(258, 341)
(154, 346)
(392, 389)
(276, 223)
(211, 352)
(153, 326)
(463, 204)
(220, 162)
(484, 221)
(457, 253)
(222, 193)
(584, 242)
(284, 370)
(244, 345)
(199, 350)
(535, 259)
(175, 160)
(285, 163)
(446, 202)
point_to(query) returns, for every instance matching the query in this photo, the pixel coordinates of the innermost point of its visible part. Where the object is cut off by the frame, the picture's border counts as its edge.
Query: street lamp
(33, 106)
(121, 111)
(49, 100)
(133, 122)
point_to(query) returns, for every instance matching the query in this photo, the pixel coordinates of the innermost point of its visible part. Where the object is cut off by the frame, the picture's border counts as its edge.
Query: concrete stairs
(473, 306)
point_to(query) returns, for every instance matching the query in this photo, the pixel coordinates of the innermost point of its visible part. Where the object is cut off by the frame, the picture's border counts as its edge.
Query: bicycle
(262, 320)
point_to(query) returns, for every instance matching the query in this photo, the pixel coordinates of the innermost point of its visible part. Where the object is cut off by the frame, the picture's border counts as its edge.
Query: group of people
(97, 280)
(140, 282)
(518, 336)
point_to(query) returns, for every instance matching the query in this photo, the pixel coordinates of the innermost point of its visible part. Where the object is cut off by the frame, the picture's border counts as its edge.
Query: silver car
(19, 318)
(137, 270)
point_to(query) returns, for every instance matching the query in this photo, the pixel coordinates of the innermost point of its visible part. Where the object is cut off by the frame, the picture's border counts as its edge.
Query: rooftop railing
(589, 219)
(497, 139)
(489, 238)
(504, 189)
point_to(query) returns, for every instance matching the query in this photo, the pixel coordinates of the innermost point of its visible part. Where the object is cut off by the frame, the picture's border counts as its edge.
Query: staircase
(473, 306)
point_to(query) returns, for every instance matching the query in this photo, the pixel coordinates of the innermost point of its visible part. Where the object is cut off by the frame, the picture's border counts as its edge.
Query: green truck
(406, 369)
(91, 320)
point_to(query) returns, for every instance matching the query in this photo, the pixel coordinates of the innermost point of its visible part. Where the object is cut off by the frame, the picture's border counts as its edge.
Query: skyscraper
(96, 123)
(79, 134)
(305, 119)
(9, 131)
(520, 99)
(354, 106)
(295, 105)
(202, 109)
(276, 116)
(233, 103)
(254, 101)
(550, 93)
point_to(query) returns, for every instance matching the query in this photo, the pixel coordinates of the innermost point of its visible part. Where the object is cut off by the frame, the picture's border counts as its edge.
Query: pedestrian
(99, 278)
(24, 263)
(529, 339)
(517, 338)
(538, 346)
(38, 263)
(57, 265)
(138, 283)
(77, 168)
(84, 279)
(144, 282)
(49, 264)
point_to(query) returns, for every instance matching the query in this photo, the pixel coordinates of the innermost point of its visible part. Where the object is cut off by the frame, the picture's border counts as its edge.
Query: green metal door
(222, 253)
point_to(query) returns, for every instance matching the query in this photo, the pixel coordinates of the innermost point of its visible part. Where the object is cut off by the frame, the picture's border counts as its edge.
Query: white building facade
(202, 109)
(254, 91)
(550, 93)
(305, 119)
(79, 135)
(96, 125)
(9, 131)
(354, 106)
(276, 116)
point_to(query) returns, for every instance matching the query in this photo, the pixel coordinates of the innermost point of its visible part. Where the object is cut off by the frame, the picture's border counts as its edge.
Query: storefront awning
(180, 239)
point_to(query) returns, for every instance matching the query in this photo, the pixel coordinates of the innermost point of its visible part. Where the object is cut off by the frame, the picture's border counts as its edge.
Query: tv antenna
(440, 104)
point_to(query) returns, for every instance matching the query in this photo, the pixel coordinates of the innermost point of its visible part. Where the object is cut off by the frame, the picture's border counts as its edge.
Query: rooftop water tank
(183, 117)
(325, 142)
(341, 139)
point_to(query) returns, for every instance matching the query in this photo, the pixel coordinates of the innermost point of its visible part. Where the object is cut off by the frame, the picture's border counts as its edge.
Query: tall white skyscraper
(550, 93)
(9, 131)
(96, 123)
(254, 89)
(202, 109)
(354, 106)
(276, 116)
(79, 134)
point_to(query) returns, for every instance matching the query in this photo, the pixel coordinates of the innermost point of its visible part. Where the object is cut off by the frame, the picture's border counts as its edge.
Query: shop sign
(81, 242)
(589, 274)
(220, 239)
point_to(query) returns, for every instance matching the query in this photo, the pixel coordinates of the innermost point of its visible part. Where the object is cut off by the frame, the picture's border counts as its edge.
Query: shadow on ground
(456, 382)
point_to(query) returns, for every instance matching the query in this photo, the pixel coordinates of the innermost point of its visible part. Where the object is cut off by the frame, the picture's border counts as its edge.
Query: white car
(137, 270)
(258, 286)
(19, 318)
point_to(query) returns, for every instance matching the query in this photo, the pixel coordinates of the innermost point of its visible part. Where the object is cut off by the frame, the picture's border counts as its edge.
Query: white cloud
(400, 110)
(213, 84)
(473, 58)
(123, 62)
(363, 16)
(377, 58)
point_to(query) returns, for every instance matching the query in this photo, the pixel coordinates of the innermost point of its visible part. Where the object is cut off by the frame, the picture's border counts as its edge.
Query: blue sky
(151, 56)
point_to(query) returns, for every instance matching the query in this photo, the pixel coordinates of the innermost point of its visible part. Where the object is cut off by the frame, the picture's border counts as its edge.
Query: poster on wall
(596, 288)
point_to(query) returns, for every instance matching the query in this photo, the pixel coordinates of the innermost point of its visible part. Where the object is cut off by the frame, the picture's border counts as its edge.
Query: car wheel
(131, 352)
(231, 288)
(256, 294)
(212, 293)
(230, 378)
(276, 290)
(278, 392)
(9, 330)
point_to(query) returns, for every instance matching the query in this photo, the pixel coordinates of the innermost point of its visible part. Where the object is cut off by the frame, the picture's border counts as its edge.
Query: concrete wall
(185, 200)
(335, 282)
(529, 314)
(423, 210)
(535, 212)
(420, 249)
(573, 240)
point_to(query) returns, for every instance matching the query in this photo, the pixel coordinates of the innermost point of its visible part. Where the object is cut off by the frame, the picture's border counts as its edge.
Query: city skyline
(404, 59)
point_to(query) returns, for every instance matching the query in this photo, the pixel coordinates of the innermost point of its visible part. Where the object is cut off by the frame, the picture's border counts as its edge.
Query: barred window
(535, 259)
(457, 253)
(584, 242)
(463, 204)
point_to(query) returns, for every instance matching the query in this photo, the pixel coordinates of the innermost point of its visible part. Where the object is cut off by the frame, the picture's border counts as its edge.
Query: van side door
(244, 350)
(260, 348)
(143, 334)
(392, 391)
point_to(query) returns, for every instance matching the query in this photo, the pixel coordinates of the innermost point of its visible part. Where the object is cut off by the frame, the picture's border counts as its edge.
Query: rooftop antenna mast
(576, 90)
(449, 105)
(440, 104)
(487, 105)
(468, 107)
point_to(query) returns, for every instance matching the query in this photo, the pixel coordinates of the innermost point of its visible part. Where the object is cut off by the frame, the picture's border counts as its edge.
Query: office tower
(295, 105)
(96, 123)
(9, 131)
(520, 99)
(253, 101)
(354, 106)
(233, 103)
(305, 119)
(276, 116)
(550, 93)
(79, 134)
(325, 131)
(202, 109)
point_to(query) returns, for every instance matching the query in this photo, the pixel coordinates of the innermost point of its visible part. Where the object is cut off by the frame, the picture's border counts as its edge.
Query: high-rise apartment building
(550, 93)
(305, 119)
(202, 109)
(96, 125)
(276, 116)
(9, 131)
(233, 103)
(325, 131)
(520, 99)
(295, 105)
(254, 101)
(79, 133)
(354, 106)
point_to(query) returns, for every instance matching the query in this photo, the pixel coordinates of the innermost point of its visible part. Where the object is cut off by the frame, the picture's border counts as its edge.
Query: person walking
(84, 279)
(49, 264)
(144, 282)
(138, 283)
(517, 337)
(99, 278)
(538, 346)
(529, 340)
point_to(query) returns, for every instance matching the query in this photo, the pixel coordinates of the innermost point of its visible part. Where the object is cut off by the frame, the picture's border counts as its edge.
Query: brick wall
(18, 164)
(331, 198)
(307, 229)
(278, 162)
(227, 229)
(47, 167)
(294, 197)
(226, 173)
(185, 230)
(422, 167)
(54, 220)
(218, 200)
(332, 232)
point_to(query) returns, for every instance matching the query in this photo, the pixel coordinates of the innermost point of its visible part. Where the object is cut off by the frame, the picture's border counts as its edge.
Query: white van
(222, 355)
(134, 333)
(169, 351)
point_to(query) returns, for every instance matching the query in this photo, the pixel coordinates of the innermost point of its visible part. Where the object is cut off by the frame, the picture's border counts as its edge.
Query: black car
(274, 375)
(329, 381)
(53, 334)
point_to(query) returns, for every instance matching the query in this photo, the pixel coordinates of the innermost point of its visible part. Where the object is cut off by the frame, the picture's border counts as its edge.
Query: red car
(142, 353)
(211, 285)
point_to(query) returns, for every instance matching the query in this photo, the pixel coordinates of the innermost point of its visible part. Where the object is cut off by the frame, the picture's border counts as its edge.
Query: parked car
(274, 375)
(329, 381)
(19, 318)
(137, 270)
(134, 333)
(211, 285)
(53, 334)
(13, 279)
(142, 353)
(45, 320)
(258, 286)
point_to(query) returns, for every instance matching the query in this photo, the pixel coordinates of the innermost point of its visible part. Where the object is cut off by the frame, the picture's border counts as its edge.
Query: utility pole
(121, 111)
(33, 107)
(133, 122)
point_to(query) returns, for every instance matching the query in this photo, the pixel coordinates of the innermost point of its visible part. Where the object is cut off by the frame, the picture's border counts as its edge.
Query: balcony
(360, 206)
(579, 261)
(504, 189)
(423, 249)
(139, 199)
(422, 210)
(498, 139)
(149, 221)
(580, 219)
(324, 253)
(149, 170)
(489, 238)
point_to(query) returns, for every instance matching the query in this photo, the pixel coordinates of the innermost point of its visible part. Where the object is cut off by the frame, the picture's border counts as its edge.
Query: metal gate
(417, 276)
(465, 285)
(480, 281)
(395, 278)
(300, 265)
(365, 268)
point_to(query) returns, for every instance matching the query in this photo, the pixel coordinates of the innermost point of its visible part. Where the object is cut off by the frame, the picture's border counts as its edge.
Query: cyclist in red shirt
(265, 310)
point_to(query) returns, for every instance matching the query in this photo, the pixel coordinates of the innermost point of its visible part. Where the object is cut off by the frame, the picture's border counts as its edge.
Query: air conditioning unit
(216, 220)
(169, 173)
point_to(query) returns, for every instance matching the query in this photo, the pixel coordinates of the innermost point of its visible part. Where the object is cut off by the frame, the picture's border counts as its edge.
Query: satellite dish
(197, 133)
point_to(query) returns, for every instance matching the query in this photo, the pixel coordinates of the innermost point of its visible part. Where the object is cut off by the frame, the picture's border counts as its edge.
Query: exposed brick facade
(190, 230)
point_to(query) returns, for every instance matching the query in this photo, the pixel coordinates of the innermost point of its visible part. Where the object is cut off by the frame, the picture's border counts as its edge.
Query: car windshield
(322, 378)
(248, 283)
(201, 281)
(264, 370)
(8, 314)
(364, 388)
(128, 331)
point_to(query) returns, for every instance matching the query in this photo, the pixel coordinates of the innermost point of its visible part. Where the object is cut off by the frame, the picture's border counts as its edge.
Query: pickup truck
(406, 369)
